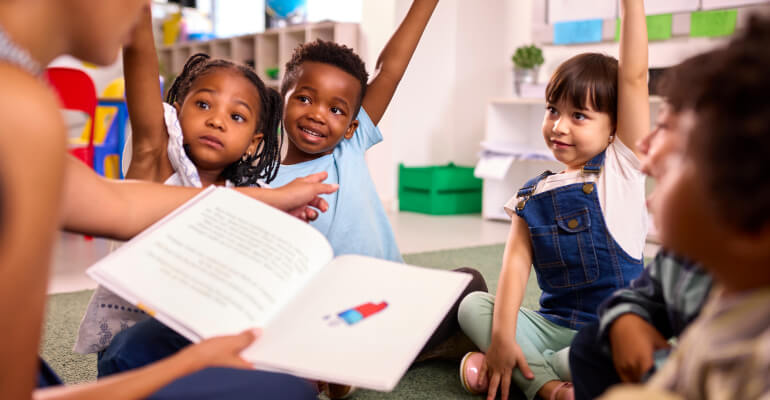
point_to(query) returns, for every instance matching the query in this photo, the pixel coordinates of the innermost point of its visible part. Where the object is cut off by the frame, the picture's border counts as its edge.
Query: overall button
(588, 188)
(572, 224)
(521, 204)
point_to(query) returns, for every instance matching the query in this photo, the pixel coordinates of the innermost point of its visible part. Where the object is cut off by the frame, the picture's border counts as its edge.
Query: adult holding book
(43, 190)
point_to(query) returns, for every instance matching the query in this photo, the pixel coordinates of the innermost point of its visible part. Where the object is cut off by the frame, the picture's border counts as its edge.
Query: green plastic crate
(439, 190)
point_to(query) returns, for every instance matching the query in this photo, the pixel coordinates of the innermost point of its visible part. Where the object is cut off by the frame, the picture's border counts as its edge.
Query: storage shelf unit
(270, 49)
(517, 123)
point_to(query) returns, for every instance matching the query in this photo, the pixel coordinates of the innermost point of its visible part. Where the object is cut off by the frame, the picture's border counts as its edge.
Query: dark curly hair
(728, 91)
(587, 79)
(330, 53)
(264, 163)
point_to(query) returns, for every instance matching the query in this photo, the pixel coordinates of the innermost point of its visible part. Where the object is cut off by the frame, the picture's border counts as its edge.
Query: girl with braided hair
(219, 124)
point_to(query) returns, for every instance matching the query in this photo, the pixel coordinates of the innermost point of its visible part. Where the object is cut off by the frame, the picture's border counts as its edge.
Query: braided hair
(264, 163)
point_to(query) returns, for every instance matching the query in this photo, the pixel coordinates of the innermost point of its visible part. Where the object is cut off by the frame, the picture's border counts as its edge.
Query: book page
(360, 321)
(221, 264)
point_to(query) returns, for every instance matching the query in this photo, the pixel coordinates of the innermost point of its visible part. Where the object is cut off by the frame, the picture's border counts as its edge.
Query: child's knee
(146, 342)
(474, 308)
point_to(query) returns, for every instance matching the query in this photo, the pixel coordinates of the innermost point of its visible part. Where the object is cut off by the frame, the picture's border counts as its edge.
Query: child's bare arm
(504, 353)
(32, 143)
(148, 129)
(395, 57)
(142, 382)
(133, 205)
(633, 97)
(517, 263)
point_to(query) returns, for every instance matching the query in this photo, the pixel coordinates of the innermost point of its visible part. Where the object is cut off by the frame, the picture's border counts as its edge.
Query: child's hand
(300, 197)
(499, 362)
(633, 342)
(222, 351)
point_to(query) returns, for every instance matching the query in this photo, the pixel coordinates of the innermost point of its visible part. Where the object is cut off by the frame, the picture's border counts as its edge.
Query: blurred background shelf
(264, 51)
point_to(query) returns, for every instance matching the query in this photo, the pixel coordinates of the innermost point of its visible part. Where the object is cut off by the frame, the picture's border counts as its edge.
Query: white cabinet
(513, 128)
(270, 49)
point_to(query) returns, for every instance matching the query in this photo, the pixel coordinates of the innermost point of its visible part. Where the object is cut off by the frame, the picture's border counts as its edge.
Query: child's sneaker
(470, 367)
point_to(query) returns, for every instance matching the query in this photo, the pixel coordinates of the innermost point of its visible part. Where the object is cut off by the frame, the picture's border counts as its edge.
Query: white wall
(464, 58)
(437, 113)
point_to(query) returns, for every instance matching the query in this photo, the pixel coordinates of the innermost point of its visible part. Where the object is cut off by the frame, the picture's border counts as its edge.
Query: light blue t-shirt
(355, 222)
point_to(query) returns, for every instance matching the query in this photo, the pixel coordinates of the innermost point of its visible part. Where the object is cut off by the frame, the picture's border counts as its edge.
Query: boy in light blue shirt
(355, 222)
(330, 117)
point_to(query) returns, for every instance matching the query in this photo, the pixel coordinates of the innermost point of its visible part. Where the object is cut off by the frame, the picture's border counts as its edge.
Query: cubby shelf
(263, 51)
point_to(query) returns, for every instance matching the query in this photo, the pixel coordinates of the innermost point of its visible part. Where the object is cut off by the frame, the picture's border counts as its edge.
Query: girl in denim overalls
(583, 229)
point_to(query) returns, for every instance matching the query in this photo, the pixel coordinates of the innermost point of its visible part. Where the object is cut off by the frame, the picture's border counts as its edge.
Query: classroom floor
(414, 233)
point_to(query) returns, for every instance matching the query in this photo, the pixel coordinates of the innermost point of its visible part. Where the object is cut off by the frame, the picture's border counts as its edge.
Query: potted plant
(526, 64)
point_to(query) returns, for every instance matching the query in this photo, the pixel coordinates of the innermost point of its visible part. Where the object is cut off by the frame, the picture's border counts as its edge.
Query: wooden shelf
(262, 51)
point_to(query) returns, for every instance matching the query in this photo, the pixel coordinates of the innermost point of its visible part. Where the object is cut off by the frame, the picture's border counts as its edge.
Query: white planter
(523, 75)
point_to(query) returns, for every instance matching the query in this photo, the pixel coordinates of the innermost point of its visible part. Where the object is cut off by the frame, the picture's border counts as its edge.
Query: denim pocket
(564, 253)
(545, 246)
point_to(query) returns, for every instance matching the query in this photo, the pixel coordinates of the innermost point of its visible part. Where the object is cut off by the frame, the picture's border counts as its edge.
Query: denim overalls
(578, 263)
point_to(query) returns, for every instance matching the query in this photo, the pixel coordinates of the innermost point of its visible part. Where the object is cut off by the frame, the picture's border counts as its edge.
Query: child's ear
(351, 129)
(178, 107)
(255, 139)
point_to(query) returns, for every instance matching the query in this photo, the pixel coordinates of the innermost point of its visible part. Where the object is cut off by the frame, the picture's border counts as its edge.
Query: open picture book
(224, 262)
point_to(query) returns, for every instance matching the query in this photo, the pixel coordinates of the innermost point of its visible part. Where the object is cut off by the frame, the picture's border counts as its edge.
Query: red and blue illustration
(359, 313)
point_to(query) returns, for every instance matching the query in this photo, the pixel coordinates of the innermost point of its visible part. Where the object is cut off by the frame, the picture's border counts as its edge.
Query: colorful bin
(439, 190)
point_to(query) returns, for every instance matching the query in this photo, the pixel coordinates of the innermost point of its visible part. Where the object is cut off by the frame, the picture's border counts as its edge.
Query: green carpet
(429, 380)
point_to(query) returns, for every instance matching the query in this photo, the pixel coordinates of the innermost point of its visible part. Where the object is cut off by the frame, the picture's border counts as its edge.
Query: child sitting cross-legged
(218, 126)
(583, 229)
(330, 118)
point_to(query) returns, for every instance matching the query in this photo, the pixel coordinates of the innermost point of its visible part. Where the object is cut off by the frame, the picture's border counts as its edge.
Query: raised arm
(395, 57)
(145, 106)
(633, 96)
(121, 209)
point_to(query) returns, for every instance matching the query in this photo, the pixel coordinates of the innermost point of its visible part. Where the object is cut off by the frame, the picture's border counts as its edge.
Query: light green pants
(544, 344)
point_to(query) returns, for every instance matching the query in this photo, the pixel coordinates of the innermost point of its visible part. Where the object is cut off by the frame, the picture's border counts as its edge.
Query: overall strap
(594, 165)
(526, 191)
(529, 187)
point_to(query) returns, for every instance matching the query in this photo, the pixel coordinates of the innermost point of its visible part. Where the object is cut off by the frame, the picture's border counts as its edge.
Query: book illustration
(357, 314)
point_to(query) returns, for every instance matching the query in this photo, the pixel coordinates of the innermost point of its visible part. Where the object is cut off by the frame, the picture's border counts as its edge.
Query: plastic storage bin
(439, 190)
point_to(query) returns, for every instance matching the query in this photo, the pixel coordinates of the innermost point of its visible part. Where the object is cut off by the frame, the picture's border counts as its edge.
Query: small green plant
(528, 57)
